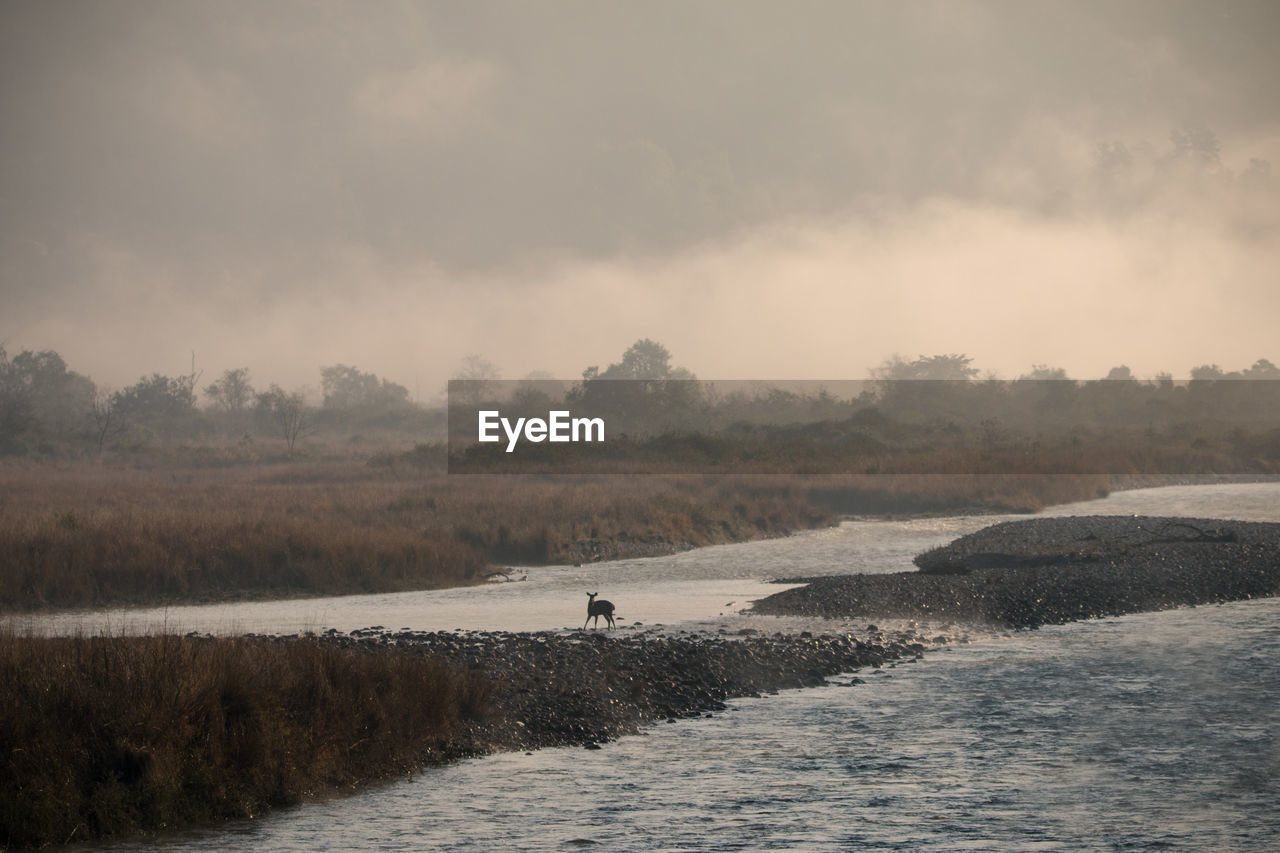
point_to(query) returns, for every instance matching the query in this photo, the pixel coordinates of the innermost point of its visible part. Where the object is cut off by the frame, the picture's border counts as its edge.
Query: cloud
(767, 191)
(804, 298)
(429, 99)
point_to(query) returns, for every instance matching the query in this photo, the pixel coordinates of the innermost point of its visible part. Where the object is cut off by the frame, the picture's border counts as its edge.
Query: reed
(110, 736)
(87, 535)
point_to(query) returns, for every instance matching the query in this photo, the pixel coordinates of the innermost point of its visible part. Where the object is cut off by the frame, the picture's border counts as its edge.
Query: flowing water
(1150, 731)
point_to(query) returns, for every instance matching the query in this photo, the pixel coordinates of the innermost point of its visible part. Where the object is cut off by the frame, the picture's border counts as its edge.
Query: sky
(771, 190)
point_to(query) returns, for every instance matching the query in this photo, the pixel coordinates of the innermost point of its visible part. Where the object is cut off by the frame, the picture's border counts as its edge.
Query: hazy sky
(770, 189)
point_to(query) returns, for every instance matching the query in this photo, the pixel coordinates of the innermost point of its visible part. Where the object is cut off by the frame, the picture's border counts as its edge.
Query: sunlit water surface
(1151, 731)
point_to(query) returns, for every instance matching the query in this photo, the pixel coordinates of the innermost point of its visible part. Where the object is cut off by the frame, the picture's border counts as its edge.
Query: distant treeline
(926, 416)
(49, 410)
(46, 409)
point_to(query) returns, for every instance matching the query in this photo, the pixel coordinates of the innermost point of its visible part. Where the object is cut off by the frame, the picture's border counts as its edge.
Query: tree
(233, 392)
(108, 421)
(476, 368)
(15, 406)
(645, 359)
(158, 400)
(39, 393)
(1195, 144)
(346, 387)
(1045, 373)
(938, 367)
(1120, 374)
(1207, 373)
(467, 385)
(287, 413)
(930, 387)
(1263, 369)
(643, 393)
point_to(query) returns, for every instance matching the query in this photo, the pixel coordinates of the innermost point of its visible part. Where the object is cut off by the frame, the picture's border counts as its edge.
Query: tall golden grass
(109, 736)
(96, 534)
(90, 535)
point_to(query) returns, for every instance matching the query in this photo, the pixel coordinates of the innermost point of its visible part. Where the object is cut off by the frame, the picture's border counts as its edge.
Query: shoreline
(1032, 572)
(78, 548)
(587, 688)
(128, 737)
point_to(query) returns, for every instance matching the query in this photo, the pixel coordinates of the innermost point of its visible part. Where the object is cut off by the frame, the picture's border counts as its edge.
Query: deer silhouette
(597, 609)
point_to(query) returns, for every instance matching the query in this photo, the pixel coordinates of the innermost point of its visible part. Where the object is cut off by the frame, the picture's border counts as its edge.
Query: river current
(1149, 731)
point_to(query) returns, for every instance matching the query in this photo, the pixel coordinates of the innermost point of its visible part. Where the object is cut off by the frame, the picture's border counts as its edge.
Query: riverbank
(94, 536)
(555, 689)
(115, 736)
(1027, 573)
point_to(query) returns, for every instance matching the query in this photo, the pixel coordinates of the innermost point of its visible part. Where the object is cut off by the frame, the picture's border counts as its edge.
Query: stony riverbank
(555, 689)
(118, 736)
(1027, 573)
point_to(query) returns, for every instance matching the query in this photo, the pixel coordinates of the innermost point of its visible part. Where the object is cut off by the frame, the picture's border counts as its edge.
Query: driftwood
(505, 574)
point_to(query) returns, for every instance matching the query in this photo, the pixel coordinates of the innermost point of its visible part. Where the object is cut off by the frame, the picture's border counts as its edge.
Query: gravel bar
(586, 687)
(1027, 573)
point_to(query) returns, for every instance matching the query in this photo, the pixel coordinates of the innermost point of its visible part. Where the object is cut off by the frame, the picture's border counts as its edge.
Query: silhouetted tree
(929, 387)
(15, 407)
(1195, 144)
(641, 393)
(108, 421)
(158, 398)
(287, 413)
(940, 367)
(1207, 373)
(476, 368)
(348, 388)
(1263, 369)
(233, 392)
(39, 395)
(645, 359)
(466, 386)
(1045, 373)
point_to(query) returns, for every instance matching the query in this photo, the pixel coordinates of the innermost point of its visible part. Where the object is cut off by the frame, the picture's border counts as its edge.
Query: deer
(597, 609)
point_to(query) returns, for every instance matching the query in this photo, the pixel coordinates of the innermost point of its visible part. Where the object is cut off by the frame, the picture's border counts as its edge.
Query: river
(1149, 731)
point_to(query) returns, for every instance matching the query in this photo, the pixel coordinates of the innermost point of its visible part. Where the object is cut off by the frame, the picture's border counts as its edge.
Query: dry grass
(109, 736)
(89, 534)
(907, 494)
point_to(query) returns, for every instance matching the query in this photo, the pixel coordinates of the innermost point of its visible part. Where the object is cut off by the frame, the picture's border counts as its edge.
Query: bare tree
(467, 385)
(108, 418)
(288, 413)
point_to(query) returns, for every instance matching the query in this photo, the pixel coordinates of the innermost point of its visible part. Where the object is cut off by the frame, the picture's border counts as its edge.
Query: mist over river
(1149, 731)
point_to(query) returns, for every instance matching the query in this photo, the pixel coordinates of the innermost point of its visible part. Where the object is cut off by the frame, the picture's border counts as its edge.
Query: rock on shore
(553, 689)
(1049, 570)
